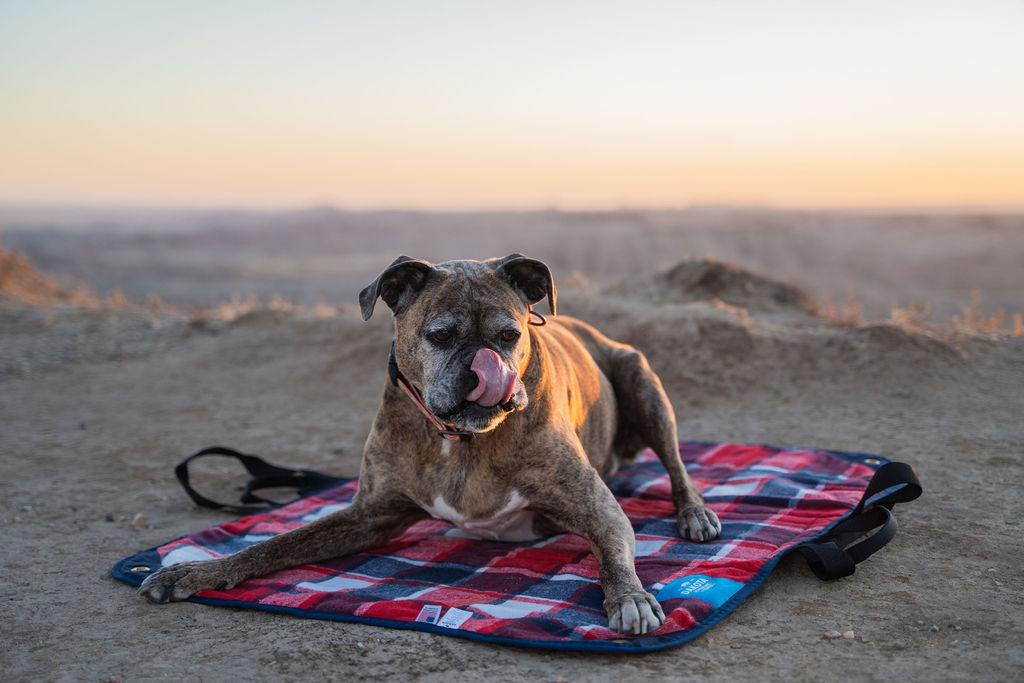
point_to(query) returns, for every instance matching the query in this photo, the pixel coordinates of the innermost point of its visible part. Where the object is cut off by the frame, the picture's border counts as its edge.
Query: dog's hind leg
(646, 418)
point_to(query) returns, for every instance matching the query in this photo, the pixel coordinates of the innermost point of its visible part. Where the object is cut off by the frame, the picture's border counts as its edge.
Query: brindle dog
(535, 416)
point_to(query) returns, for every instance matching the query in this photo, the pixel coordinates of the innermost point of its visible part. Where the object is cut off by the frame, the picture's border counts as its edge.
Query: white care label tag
(454, 618)
(429, 614)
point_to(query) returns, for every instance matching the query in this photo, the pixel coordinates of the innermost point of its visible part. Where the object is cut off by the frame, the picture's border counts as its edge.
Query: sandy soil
(97, 405)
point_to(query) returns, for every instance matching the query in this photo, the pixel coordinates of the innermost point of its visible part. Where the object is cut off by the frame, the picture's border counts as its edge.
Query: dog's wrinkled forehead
(462, 291)
(464, 267)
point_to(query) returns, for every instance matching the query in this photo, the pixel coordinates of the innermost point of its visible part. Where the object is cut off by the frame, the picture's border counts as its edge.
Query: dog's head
(461, 332)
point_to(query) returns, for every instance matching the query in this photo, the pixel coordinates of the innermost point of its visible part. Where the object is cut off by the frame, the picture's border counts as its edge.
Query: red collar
(450, 432)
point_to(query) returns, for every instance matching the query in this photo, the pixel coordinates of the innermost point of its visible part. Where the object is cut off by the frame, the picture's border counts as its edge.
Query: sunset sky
(513, 105)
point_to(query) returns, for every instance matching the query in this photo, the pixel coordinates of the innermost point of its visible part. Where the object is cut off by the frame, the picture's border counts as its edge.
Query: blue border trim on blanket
(122, 571)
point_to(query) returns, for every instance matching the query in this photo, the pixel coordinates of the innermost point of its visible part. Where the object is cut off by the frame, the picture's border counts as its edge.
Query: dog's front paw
(179, 581)
(699, 523)
(634, 614)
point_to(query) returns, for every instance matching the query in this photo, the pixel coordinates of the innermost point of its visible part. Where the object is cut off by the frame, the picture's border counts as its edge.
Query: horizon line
(69, 205)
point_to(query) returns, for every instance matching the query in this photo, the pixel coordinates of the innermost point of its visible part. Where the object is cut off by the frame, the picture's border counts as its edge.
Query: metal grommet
(872, 461)
(141, 569)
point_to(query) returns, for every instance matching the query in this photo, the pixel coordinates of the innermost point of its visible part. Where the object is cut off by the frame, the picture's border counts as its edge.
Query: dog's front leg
(364, 524)
(582, 504)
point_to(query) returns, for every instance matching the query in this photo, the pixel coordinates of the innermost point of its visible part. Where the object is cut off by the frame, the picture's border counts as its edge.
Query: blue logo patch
(715, 590)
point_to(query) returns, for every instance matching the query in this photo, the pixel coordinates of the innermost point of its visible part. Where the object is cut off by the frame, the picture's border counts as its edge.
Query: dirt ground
(97, 404)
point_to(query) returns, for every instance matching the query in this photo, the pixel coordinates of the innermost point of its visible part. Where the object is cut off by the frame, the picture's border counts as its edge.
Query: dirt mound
(20, 281)
(710, 348)
(708, 280)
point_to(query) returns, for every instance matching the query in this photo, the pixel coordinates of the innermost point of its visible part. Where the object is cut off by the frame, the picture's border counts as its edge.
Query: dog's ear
(404, 277)
(529, 277)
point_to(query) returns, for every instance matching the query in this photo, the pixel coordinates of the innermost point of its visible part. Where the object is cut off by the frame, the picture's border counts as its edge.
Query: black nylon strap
(264, 476)
(827, 560)
(839, 556)
(869, 528)
(888, 476)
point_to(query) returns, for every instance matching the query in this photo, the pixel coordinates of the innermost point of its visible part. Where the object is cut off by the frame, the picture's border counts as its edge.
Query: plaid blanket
(546, 593)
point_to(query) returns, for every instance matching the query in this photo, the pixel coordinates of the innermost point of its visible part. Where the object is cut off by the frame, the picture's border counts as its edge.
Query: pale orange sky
(468, 105)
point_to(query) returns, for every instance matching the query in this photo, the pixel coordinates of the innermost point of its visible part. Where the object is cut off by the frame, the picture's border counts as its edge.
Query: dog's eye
(441, 335)
(509, 335)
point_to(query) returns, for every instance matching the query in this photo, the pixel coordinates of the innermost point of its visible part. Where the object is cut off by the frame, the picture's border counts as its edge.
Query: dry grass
(972, 321)
(912, 316)
(975, 320)
(849, 314)
(19, 280)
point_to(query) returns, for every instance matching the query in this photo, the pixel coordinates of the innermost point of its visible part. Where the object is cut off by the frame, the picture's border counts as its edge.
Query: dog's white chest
(513, 522)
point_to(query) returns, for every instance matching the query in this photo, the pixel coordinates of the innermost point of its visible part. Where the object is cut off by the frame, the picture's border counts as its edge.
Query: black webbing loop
(869, 528)
(264, 476)
(898, 476)
(840, 555)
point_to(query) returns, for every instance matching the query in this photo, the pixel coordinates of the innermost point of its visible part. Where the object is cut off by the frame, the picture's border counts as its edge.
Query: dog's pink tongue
(496, 381)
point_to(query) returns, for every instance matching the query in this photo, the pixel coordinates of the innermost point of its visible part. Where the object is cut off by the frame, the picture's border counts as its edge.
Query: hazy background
(201, 150)
(201, 258)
